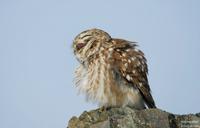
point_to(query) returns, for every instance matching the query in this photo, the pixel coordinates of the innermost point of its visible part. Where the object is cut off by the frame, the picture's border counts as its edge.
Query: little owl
(112, 72)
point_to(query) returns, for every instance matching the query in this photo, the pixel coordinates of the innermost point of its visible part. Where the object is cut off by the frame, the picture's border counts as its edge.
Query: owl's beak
(80, 45)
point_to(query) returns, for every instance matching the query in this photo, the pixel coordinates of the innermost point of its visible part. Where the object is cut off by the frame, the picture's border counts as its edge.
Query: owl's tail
(149, 101)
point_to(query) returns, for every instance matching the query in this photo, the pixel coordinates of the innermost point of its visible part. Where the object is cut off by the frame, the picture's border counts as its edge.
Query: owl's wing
(131, 63)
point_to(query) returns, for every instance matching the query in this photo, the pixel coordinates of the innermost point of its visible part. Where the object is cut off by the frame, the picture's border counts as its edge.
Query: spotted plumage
(112, 72)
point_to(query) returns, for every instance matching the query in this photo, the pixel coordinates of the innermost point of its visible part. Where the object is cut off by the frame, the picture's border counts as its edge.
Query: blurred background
(37, 63)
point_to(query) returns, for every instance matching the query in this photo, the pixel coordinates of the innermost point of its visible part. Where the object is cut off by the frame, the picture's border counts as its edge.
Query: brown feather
(139, 78)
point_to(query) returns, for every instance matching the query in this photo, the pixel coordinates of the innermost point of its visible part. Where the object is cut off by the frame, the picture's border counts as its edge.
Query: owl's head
(88, 43)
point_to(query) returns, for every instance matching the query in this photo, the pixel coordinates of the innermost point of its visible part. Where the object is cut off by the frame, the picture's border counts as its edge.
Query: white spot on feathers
(138, 63)
(141, 57)
(126, 65)
(133, 58)
(128, 77)
(137, 50)
(140, 84)
(124, 54)
(110, 49)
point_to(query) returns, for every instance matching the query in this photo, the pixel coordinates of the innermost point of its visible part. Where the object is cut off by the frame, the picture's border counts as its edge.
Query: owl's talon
(102, 109)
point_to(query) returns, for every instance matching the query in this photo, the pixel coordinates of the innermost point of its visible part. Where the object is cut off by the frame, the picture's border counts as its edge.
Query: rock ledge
(131, 118)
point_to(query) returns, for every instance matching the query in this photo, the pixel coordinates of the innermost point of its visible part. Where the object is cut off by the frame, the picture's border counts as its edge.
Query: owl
(112, 72)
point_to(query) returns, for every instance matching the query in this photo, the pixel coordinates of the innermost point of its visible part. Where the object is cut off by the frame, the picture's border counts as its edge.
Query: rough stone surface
(131, 118)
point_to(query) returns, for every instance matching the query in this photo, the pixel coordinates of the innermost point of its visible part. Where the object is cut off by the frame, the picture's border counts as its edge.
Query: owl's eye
(80, 45)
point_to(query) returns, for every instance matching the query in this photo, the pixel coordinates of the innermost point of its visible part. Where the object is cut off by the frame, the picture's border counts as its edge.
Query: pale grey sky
(37, 62)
